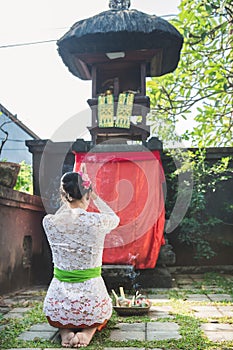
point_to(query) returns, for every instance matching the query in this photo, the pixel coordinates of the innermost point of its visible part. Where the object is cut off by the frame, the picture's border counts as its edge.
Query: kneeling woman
(77, 301)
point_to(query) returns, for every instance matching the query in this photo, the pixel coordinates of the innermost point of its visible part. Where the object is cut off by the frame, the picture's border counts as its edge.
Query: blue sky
(34, 82)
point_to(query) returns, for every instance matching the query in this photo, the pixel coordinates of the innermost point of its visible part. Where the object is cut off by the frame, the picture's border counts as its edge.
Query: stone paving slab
(218, 332)
(30, 336)
(220, 297)
(197, 297)
(125, 327)
(184, 280)
(41, 327)
(17, 300)
(125, 336)
(226, 310)
(23, 296)
(41, 330)
(158, 298)
(198, 277)
(160, 312)
(162, 331)
(33, 291)
(126, 331)
(206, 312)
(17, 312)
(4, 309)
(145, 331)
(211, 311)
(125, 348)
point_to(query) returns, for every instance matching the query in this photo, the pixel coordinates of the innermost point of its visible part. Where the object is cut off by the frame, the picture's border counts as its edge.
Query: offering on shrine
(135, 305)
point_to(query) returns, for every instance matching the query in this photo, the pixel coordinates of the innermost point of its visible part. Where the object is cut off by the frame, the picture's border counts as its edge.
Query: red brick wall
(24, 253)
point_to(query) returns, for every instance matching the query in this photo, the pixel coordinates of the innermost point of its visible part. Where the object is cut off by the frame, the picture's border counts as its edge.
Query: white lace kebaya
(76, 238)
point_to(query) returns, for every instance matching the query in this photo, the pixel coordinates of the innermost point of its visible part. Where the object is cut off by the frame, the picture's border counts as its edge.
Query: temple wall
(24, 250)
(25, 257)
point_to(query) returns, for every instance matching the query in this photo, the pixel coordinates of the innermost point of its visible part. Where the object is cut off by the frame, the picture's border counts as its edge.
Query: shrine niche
(118, 50)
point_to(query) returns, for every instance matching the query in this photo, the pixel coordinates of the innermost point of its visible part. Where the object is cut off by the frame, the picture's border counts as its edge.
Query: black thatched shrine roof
(119, 30)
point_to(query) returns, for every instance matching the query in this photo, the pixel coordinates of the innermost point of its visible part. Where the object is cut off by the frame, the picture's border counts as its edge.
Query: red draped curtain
(131, 184)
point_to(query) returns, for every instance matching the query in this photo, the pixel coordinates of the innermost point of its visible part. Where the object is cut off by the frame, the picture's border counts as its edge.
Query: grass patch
(192, 336)
(220, 283)
(12, 328)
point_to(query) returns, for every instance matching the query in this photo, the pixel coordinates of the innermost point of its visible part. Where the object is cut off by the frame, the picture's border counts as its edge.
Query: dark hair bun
(71, 186)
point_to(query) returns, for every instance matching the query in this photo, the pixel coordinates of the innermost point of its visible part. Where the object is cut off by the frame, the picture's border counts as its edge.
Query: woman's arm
(108, 217)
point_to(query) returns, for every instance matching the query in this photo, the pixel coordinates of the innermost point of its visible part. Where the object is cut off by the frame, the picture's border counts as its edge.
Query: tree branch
(6, 135)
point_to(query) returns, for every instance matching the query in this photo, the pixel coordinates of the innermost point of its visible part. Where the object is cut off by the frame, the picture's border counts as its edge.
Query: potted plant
(8, 170)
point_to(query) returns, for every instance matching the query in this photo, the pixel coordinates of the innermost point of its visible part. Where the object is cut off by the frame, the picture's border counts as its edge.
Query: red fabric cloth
(131, 184)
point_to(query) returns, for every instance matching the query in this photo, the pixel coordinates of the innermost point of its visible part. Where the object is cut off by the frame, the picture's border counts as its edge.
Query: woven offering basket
(131, 311)
(136, 306)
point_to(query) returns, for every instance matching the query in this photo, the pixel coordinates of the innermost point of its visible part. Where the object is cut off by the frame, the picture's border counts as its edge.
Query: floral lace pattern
(76, 238)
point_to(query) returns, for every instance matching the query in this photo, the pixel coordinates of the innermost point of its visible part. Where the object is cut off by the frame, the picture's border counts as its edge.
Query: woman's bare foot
(83, 339)
(75, 341)
(66, 336)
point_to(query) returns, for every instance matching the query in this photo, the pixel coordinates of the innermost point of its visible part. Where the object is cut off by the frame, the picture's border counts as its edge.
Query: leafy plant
(198, 223)
(200, 89)
(24, 180)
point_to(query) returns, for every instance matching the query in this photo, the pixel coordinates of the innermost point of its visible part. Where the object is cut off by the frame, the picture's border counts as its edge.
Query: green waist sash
(77, 276)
